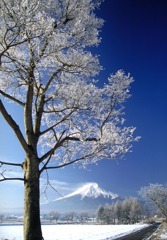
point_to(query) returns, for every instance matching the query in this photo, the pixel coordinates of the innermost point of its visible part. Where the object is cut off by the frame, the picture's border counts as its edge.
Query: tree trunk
(32, 224)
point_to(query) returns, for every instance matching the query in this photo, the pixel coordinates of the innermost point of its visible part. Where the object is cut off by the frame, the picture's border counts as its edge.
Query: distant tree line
(128, 211)
(72, 217)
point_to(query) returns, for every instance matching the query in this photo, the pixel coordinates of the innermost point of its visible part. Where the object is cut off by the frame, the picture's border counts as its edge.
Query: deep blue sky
(134, 38)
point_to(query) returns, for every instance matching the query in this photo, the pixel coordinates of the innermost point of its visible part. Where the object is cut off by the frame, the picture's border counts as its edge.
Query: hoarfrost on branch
(46, 68)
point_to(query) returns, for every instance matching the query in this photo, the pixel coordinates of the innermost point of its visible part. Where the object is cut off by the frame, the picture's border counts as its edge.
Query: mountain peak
(91, 190)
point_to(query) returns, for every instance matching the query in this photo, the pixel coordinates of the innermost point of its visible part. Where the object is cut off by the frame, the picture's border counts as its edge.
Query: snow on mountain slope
(91, 190)
(86, 198)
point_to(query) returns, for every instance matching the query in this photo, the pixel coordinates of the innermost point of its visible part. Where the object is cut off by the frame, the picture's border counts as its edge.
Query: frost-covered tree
(46, 69)
(131, 210)
(100, 214)
(156, 194)
(108, 214)
(126, 212)
(118, 211)
(105, 214)
(126, 208)
(136, 210)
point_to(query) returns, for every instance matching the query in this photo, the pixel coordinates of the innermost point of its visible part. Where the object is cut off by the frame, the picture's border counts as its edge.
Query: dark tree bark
(32, 224)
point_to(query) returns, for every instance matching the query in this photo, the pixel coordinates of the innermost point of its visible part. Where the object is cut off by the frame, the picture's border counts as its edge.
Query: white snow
(73, 232)
(90, 190)
(164, 234)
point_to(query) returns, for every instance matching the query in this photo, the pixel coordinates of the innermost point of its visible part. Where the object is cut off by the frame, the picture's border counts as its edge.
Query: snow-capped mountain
(86, 198)
(91, 190)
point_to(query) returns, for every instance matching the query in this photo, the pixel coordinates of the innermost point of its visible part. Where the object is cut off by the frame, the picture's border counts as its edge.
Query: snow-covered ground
(163, 235)
(72, 232)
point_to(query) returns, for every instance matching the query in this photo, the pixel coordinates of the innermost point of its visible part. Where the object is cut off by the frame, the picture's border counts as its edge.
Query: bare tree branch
(51, 151)
(57, 123)
(60, 143)
(52, 77)
(39, 110)
(8, 178)
(14, 126)
(68, 163)
(12, 179)
(10, 164)
(12, 98)
(78, 140)
(48, 184)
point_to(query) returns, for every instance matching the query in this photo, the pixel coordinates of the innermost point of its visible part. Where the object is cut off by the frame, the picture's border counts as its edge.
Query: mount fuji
(86, 198)
(90, 190)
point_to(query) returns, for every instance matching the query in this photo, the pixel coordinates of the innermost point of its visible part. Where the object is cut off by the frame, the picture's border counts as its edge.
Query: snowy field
(72, 232)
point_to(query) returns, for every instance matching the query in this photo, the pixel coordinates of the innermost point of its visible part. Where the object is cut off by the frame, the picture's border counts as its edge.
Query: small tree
(70, 216)
(156, 194)
(100, 215)
(126, 208)
(118, 211)
(108, 214)
(136, 210)
(47, 70)
(1, 218)
(84, 216)
(54, 216)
